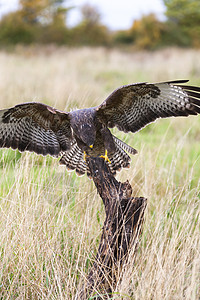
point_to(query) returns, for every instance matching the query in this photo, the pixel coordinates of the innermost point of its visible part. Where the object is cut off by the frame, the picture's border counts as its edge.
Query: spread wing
(35, 127)
(131, 107)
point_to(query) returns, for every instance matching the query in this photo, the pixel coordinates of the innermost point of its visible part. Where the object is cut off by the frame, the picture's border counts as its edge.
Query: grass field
(51, 220)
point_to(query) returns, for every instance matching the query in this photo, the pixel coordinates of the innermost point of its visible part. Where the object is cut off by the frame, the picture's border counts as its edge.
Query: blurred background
(147, 24)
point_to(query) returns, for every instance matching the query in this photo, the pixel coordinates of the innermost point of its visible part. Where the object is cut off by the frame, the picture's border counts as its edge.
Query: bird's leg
(109, 144)
(84, 156)
(106, 156)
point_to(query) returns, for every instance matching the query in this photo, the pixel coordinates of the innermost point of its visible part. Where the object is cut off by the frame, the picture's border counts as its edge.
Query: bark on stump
(122, 227)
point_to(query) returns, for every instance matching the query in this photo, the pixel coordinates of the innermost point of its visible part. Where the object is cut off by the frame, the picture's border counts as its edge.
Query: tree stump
(122, 227)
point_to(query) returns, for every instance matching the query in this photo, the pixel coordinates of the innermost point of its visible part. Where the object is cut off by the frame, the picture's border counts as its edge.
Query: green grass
(51, 220)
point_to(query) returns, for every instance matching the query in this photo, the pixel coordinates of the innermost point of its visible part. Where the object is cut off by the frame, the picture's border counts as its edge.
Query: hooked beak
(91, 146)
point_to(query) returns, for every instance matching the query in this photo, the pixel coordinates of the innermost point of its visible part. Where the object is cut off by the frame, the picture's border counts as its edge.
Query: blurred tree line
(45, 21)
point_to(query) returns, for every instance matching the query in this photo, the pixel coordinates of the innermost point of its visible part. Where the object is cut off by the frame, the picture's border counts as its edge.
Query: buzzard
(85, 132)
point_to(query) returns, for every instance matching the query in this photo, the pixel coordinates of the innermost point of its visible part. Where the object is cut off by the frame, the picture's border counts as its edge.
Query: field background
(51, 220)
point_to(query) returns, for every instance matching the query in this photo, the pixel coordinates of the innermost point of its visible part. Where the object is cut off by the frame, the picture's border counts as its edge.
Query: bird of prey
(85, 132)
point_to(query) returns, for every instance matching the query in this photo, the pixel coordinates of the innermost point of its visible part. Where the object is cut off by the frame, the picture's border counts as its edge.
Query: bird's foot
(85, 156)
(106, 157)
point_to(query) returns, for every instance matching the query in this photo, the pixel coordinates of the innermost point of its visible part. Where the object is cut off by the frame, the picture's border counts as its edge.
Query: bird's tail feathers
(124, 146)
(73, 160)
(120, 159)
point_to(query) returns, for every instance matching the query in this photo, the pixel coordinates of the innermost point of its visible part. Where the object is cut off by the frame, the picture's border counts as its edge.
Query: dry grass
(51, 220)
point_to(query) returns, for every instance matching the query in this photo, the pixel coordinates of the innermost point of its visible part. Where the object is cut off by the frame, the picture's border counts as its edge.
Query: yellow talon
(106, 156)
(84, 156)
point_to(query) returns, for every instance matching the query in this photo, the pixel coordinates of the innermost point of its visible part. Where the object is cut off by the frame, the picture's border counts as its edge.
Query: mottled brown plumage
(45, 130)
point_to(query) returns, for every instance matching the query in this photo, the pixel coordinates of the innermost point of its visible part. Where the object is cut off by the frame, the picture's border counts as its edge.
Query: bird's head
(83, 125)
(87, 134)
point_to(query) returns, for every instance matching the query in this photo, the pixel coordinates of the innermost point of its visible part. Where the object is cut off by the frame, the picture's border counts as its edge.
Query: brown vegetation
(51, 220)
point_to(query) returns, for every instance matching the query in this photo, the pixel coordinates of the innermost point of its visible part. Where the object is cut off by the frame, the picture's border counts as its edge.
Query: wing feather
(35, 127)
(132, 107)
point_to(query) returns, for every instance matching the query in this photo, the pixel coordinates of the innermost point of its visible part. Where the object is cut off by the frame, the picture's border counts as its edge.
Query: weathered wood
(122, 226)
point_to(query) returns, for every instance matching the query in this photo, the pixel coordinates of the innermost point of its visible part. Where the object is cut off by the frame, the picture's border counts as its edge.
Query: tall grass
(51, 220)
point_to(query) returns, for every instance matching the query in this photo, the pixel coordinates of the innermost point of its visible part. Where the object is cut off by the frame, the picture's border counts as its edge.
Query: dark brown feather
(132, 107)
(35, 127)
